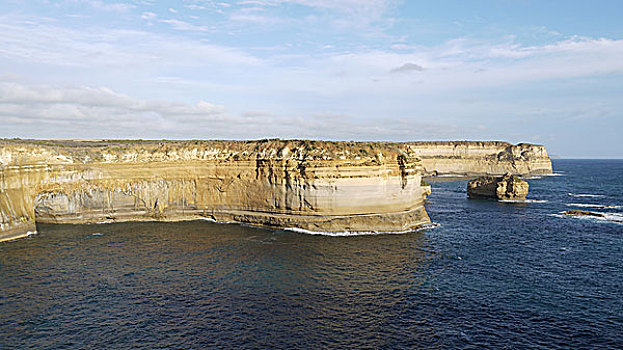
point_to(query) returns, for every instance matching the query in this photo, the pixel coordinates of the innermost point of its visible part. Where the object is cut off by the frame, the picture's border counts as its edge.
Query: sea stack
(507, 187)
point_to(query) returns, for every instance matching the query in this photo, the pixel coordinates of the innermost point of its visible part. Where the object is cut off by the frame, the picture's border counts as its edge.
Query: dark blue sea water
(492, 275)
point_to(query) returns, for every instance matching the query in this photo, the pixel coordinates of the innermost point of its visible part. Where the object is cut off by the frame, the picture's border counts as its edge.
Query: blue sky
(547, 72)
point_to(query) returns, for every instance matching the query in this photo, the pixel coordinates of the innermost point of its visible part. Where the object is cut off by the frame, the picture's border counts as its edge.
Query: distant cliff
(312, 185)
(474, 158)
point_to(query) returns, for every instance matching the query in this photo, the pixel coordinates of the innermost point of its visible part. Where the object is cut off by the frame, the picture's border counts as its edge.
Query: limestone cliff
(475, 158)
(313, 185)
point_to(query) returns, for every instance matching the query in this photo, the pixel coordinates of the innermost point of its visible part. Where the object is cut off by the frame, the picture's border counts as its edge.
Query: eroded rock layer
(313, 185)
(507, 187)
(475, 158)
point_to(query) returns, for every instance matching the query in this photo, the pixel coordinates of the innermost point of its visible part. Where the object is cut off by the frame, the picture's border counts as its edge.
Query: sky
(546, 72)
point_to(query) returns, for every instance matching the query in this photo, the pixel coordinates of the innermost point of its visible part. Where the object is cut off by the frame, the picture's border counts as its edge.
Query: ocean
(488, 275)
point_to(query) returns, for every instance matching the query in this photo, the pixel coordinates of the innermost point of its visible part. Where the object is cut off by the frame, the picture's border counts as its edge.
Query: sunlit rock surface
(311, 185)
(507, 187)
(475, 158)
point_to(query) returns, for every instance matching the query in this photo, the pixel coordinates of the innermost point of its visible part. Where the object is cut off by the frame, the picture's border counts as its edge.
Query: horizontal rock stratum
(507, 187)
(311, 185)
(476, 158)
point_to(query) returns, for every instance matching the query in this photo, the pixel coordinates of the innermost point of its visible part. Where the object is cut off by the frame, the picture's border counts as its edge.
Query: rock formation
(583, 213)
(507, 187)
(475, 158)
(313, 185)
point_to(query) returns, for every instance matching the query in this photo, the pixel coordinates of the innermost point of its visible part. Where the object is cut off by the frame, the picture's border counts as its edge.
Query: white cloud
(85, 110)
(24, 40)
(12, 93)
(149, 16)
(449, 66)
(176, 24)
(374, 8)
(355, 17)
(293, 92)
(107, 6)
(102, 113)
(186, 26)
(256, 19)
(195, 7)
(453, 65)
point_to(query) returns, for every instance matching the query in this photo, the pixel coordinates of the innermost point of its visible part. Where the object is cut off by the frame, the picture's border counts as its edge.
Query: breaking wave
(586, 195)
(616, 218)
(218, 222)
(360, 233)
(594, 206)
(555, 174)
(523, 201)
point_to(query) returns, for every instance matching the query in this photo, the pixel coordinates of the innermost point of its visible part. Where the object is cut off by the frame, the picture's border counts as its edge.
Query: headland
(298, 184)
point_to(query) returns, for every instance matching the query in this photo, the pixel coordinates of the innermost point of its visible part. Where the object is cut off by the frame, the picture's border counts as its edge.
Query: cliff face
(313, 185)
(507, 187)
(474, 158)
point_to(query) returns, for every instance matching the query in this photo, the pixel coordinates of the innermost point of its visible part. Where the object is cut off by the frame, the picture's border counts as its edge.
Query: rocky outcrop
(475, 158)
(312, 185)
(507, 187)
(583, 213)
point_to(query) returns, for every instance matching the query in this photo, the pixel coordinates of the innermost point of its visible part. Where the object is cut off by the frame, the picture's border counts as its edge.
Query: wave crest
(594, 206)
(523, 201)
(360, 233)
(585, 195)
(616, 218)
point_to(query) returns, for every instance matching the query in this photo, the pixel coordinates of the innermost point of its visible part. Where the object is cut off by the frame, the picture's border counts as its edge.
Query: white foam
(594, 206)
(97, 234)
(586, 195)
(450, 175)
(557, 215)
(555, 174)
(616, 218)
(359, 233)
(523, 201)
(215, 221)
(31, 233)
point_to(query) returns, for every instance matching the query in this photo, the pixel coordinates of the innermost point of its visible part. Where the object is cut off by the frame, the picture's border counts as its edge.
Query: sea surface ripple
(491, 276)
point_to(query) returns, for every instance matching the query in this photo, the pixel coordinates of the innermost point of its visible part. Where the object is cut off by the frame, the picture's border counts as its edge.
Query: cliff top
(29, 151)
(471, 143)
(242, 144)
